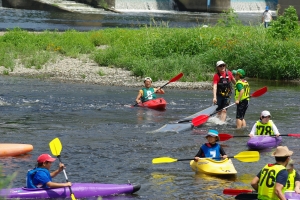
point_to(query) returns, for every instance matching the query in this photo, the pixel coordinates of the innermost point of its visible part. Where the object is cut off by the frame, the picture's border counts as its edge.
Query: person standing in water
(222, 88)
(267, 17)
(148, 93)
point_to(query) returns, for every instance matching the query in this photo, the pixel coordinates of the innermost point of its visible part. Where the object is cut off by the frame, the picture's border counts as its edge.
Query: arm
(254, 183)
(58, 185)
(215, 93)
(274, 127)
(139, 96)
(222, 152)
(54, 173)
(253, 131)
(198, 155)
(297, 183)
(278, 191)
(159, 90)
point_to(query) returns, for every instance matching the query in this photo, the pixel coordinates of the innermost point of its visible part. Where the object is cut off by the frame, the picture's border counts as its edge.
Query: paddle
(199, 120)
(226, 136)
(244, 156)
(176, 78)
(229, 191)
(56, 147)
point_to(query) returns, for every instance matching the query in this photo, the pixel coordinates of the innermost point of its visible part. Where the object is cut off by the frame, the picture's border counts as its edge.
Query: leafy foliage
(286, 25)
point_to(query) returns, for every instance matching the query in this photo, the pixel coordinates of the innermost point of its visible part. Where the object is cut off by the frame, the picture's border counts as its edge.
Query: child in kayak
(293, 182)
(264, 126)
(40, 177)
(242, 96)
(211, 149)
(148, 93)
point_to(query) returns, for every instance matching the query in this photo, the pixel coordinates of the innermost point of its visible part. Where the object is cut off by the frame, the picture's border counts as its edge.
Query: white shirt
(274, 128)
(267, 15)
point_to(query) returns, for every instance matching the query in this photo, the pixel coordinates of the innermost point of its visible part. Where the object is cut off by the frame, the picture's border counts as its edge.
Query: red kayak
(157, 104)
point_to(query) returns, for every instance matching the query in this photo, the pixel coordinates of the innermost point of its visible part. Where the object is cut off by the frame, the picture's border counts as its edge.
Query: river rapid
(107, 141)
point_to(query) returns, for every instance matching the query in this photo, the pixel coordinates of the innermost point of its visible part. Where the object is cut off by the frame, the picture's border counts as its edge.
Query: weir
(145, 5)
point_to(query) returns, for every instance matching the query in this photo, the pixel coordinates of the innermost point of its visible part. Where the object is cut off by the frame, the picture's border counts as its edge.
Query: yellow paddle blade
(73, 197)
(55, 146)
(163, 160)
(248, 156)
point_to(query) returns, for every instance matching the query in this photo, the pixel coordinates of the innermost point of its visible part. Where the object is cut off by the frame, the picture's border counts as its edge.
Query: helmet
(267, 7)
(241, 72)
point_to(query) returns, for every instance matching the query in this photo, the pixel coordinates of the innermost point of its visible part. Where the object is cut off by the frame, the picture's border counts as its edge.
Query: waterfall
(144, 4)
(253, 5)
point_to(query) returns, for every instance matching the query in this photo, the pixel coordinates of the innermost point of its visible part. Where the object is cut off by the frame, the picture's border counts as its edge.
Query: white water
(144, 5)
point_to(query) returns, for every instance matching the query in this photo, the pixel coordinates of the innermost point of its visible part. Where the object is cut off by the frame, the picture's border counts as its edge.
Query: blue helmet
(267, 7)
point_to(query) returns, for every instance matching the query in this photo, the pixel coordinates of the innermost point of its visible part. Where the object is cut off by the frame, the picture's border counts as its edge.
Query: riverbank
(85, 70)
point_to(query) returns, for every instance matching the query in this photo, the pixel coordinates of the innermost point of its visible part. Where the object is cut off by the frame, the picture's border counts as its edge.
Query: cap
(290, 164)
(45, 157)
(282, 151)
(267, 7)
(147, 78)
(213, 133)
(220, 63)
(265, 113)
(240, 72)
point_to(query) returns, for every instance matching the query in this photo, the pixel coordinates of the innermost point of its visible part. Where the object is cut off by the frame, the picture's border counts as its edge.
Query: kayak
(10, 149)
(80, 190)
(157, 104)
(185, 123)
(263, 142)
(290, 195)
(213, 167)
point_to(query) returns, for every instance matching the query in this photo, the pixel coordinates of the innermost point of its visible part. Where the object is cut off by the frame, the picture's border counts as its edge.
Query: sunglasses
(266, 117)
(221, 65)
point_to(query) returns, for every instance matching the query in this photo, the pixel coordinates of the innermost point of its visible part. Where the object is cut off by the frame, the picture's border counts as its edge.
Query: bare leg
(240, 123)
(222, 115)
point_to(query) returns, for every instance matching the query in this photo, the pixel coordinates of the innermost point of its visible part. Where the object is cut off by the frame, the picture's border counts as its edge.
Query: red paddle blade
(201, 119)
(229, 191)
(176, 77)
(259, 92)
(293, 134)
(225, 136)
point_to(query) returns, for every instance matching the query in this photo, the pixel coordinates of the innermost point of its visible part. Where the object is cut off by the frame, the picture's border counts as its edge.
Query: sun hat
(265, 113)
(45, 157)
(267, 7)
(221, 62)
(213, 133)
(290, 164)
(282, 151)
(147, 78)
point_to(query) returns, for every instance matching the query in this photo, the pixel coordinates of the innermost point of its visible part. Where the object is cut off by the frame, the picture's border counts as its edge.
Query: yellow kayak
(213, 167)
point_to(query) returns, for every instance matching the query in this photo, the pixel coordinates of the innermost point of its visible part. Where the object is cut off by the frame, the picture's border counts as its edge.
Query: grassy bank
(162, 52)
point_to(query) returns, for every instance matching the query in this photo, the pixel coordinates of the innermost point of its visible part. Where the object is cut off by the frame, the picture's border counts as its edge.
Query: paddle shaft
(226, 136)
(176, 78)
(67, 180)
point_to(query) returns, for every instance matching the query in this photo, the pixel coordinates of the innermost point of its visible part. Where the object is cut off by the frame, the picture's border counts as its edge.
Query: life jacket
(148, 94)
(211, 151)
(264, 129)
(246, 93)
(267, 181)
(290, 184)
(30, 175)
(224, 87)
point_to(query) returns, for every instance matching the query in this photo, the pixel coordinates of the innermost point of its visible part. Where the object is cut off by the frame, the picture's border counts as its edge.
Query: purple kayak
(263, 142)
(80, 190)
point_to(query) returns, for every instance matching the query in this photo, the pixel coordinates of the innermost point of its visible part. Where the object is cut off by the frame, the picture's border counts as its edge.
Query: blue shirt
(41, 178)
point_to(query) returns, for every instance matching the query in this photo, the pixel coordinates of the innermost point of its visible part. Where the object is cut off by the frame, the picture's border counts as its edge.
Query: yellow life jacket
(246, 93)
(267, 181)
(290, 184)
(264, 129)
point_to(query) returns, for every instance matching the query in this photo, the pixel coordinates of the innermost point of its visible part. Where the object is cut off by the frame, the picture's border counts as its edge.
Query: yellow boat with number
(213, 167)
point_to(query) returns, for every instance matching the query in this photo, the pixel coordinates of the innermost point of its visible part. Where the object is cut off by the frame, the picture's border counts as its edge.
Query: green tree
(286, 26)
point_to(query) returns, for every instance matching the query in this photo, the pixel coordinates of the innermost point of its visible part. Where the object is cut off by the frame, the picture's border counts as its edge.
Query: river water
(107, 141)
(42, 20)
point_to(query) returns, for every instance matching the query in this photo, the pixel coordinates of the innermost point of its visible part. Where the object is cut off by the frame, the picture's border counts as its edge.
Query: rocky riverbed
(85, 70)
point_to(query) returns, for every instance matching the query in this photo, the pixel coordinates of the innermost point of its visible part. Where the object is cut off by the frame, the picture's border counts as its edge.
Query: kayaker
(40, 177)
(264, 126)
(270, 181)
(293, 182)
(242, 93)
(211, 149)
(148, 93)
(222, 88)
